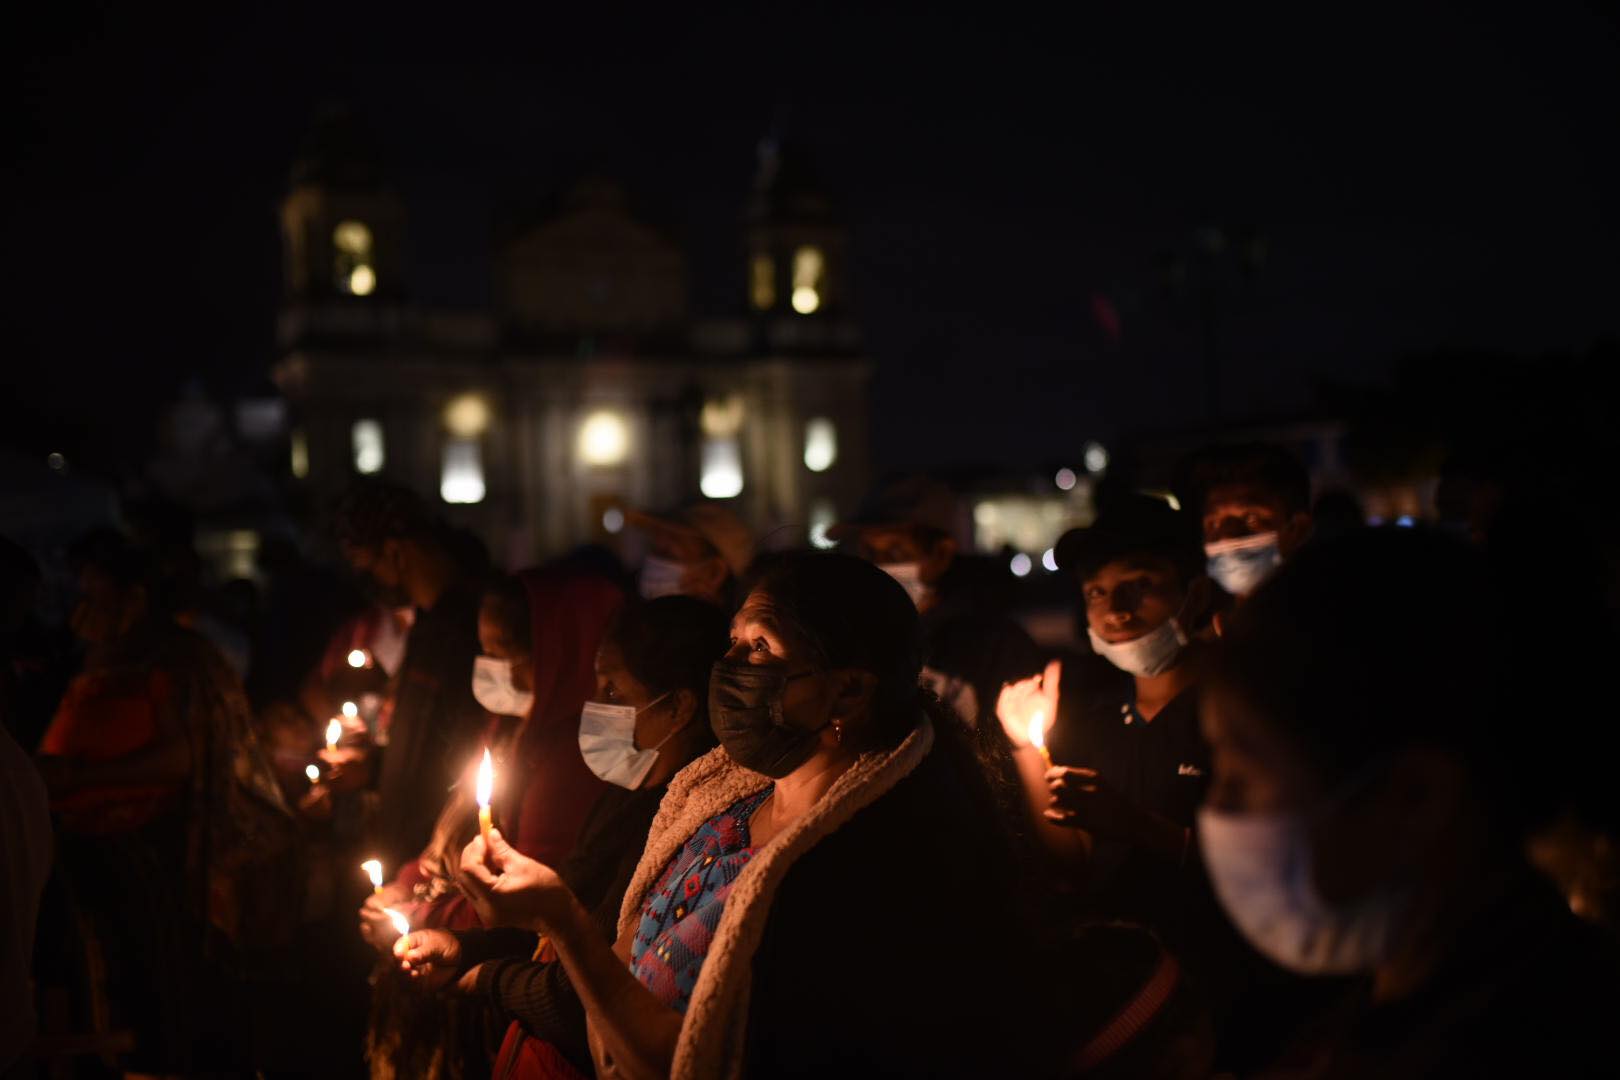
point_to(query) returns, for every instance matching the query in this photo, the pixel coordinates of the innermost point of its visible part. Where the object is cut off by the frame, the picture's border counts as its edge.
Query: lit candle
(313, 772)
(350, 710)
(373, 869)
(486, 788)
(1037, 736)
(357, 658)
(334, 732)
(401, 923)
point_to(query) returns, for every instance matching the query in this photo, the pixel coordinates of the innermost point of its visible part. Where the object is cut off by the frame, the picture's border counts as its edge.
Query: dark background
(1415, 180)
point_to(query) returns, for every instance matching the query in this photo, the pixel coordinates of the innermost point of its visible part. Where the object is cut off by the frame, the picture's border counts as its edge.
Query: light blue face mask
(1261, 867)
(1240, 565)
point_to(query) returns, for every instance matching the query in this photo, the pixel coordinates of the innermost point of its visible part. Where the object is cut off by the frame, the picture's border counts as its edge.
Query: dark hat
(1133, 524)
(905, 501)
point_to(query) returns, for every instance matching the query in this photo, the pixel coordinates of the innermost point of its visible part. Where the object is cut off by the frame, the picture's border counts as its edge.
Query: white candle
(334, 732)
(1037, 736)
(486, 788)
(313, 772)
(401, 923)
(373, 869)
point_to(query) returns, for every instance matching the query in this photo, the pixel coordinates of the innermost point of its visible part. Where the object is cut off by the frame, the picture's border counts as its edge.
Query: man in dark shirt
(388, 534)
(1133, 763)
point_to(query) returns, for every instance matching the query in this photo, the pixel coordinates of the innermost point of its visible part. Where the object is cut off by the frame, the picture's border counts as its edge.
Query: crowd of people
(1297, 801)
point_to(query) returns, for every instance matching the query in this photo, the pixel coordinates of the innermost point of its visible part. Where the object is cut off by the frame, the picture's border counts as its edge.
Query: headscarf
(569, 614)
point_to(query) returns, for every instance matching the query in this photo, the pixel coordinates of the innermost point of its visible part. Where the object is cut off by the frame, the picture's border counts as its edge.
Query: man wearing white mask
(907, 528)
(1135, 763)
(1374, 785)
(1129, 765)
(697, 550)
(1253, 502)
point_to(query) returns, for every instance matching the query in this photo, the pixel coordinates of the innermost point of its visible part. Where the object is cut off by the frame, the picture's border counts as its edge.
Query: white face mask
(607, 740)
(1240, 566)
(1154, 653)
(1260, 865)
(909, 575)
(492, 688)
(661, 577)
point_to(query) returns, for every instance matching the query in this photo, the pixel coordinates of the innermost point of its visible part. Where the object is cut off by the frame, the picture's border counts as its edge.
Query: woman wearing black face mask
(827, 891)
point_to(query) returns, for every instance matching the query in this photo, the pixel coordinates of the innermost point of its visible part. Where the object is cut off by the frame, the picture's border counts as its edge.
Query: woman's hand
(348, 768)
(375, 926)
(1028, 702)
(431, 957)
(510, 889)
(316, 803)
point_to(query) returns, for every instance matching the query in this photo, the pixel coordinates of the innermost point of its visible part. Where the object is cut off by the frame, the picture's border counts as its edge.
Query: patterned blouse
(682, 911)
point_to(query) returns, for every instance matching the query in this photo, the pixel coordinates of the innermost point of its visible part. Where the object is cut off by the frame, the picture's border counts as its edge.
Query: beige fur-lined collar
(711, 1038)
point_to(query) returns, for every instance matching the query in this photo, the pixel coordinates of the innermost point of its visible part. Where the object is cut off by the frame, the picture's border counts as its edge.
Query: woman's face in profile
(761, 637)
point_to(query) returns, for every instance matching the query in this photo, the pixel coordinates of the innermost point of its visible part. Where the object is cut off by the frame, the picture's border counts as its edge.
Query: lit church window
(762, 282)
(299, 455)
(367, 440)
(822, 517)
(467, 416)
(462, 478)
(722, 416)
(820, 444)
(722, 474)
(353, 267)
(603, 439)
(809, 277)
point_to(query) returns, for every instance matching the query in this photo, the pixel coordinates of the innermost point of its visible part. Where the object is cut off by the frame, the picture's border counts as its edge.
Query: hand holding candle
(486, 789)
(1028, 707)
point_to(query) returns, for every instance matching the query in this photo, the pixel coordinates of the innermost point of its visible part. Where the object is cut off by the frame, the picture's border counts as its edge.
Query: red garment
(104, 716)
(525, 1058)
(569, 615)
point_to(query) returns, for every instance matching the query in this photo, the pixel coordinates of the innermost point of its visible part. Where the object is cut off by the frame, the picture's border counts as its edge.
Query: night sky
(1418, 181)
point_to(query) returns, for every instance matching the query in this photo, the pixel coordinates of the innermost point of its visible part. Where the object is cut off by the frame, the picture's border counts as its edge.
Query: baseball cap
(1133, 524)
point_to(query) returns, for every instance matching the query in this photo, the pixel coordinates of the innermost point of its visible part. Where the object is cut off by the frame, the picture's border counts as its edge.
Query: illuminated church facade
(588, 386)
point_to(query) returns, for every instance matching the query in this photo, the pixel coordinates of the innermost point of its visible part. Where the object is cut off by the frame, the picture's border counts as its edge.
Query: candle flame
(373, 869)
(1037, 731)
(401, 923)
(357, 658)
(313, 772)
(486, 779)
(334, 732)
(351, 710)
